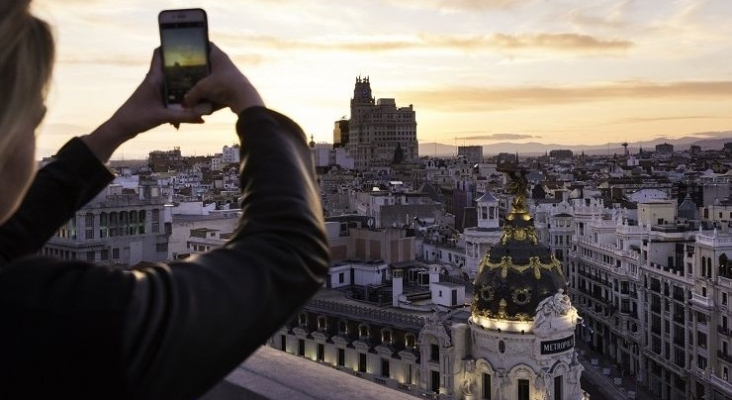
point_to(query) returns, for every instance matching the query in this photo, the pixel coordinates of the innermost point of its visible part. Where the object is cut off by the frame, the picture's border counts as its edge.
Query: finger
(177, 117)
(155, 73)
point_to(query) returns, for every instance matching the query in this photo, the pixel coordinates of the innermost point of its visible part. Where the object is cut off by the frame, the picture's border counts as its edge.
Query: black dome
(518, 272)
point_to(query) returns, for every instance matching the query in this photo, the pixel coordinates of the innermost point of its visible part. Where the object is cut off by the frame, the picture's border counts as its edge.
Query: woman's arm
(191, 323)
(60, 188)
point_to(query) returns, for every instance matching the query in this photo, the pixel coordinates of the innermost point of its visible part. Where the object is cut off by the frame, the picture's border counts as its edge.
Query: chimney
(434, 274)
(397, 286)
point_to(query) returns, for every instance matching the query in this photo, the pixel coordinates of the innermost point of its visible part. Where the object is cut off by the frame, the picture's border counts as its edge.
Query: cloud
(564, 42)
(664, 119)
(500, 136)
(502, 98)
(461, 5)
(712, 134)
(106, 59)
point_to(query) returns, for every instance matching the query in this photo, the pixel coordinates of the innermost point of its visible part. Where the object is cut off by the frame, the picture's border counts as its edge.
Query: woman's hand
(226, 86)
(143, 111)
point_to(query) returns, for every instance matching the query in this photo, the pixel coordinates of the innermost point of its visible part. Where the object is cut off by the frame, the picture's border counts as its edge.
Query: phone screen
(185, 57)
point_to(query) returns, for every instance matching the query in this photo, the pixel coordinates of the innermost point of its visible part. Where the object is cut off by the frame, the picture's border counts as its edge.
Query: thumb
(200, 91)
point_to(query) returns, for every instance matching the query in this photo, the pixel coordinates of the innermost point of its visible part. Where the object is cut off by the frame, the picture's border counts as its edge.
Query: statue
(550, 308)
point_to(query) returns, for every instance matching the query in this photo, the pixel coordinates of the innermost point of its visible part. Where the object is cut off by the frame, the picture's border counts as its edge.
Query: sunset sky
(476, 71)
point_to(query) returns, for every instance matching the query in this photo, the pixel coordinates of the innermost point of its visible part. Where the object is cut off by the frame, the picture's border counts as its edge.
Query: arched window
(322, 323)
(302, 319)
(386, 336)
(342, 327)
(363, 330)
(409, 340)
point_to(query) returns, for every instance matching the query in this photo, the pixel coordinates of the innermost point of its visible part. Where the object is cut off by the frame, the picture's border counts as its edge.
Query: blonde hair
(26, 60)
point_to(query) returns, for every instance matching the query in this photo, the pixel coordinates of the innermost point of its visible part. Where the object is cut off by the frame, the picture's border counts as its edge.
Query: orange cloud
(565, 42)
(501, 98)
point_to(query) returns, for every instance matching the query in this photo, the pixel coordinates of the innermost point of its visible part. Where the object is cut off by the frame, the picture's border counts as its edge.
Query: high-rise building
(379, 132)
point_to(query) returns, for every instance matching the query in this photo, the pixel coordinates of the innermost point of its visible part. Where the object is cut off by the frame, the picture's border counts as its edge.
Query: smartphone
(185, 54)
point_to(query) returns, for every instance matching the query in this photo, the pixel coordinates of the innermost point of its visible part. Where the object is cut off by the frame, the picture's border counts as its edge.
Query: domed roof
(518, 272)
(487, 198)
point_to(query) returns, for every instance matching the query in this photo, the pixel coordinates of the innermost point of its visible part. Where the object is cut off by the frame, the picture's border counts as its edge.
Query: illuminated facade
(522, 321)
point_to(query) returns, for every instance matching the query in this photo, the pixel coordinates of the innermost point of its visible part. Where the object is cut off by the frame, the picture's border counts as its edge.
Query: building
(230, 154)
(479, 240)
(117, 228)
(163, 161)
(473, 153)
(340, 133)
(515, 341)
(664, 148)
(378, 130)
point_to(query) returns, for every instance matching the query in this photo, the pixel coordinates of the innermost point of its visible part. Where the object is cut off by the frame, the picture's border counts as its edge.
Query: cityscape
(523, 199)
(472, 276)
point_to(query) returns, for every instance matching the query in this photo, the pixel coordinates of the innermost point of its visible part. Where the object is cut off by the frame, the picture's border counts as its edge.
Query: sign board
(557, 346)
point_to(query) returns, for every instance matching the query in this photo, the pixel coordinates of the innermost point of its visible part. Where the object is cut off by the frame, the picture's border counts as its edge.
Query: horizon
(478, 73)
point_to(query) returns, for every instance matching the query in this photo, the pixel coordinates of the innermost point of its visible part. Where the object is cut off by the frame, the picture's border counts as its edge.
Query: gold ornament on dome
(535, 263)
(519, 233)
(521, 296)
(486, 293)
(523, 317)
(502, 309)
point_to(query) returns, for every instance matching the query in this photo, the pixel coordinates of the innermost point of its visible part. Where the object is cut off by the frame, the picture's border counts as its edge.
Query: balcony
(721, 383)
(701, 301)
(723, 330)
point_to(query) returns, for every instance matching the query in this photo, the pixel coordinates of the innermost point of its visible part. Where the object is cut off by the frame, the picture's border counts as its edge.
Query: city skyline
(476, 72)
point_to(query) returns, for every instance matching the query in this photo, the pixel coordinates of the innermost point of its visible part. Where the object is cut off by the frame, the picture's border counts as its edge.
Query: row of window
(523, 390)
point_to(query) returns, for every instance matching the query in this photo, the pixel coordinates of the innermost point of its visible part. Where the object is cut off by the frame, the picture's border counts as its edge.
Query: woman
(70, 329)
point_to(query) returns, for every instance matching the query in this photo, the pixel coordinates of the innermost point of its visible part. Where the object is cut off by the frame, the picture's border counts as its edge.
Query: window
(161, 247)
(104, 254)
(321, 352)
(361, 362)
(300, 347)
(523, 389)
(386, 336)
(156, 221)
(486, 386)
(363, 331)
(701, 362)
(384, 367)
(341, 357)
(90, 256)
(724, 299)
(341, 277)
(558, 388)
(701, 339)
(409, 340)
(283, 342)
(434, 352)
(342, 327)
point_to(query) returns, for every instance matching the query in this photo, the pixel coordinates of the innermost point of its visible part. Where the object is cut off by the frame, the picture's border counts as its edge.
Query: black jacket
(70, 329)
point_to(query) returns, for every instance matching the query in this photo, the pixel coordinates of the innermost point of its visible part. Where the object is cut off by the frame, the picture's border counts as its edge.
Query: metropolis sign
(557, 346)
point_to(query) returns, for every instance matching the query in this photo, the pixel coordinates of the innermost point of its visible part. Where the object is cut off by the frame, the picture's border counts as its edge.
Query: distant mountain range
(707, 141)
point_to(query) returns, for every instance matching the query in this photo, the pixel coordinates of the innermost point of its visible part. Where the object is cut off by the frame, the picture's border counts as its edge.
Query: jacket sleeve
(191, 323)
(63, 186)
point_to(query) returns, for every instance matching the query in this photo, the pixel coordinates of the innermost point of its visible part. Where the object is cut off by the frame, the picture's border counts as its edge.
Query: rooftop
(273, 374)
